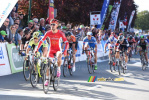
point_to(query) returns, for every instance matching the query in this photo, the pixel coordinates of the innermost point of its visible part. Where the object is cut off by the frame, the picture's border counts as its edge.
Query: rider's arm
(74, 42)
(66, 42)
(41, 41)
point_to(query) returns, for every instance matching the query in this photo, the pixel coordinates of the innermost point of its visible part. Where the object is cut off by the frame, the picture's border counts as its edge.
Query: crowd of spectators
(14, 29)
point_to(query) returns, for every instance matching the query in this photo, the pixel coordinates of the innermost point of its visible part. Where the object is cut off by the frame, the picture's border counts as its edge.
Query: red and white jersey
(55, 40)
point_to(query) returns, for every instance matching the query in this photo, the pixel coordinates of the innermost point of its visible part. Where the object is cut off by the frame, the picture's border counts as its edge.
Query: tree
(142, 20)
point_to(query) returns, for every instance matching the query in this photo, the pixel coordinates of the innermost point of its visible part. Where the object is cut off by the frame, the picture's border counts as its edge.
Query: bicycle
(112, 59)
(90, 61)
(121, 62)
(36, 73)
(51, 66)
(143, 61)
(26, 66)
(67, 64)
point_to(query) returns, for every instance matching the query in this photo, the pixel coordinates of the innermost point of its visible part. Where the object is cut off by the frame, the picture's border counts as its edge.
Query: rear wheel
(26, 69)
(46, 78)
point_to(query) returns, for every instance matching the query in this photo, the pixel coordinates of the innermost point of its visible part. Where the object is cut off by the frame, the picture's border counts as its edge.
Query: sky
(143, 5)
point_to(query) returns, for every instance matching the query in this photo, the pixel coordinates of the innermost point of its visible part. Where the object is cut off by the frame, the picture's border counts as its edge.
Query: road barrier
(11, 62)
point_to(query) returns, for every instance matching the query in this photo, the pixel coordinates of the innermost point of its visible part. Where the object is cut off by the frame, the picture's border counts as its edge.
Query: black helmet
(26, 30)
(130, 37)
(68, 34)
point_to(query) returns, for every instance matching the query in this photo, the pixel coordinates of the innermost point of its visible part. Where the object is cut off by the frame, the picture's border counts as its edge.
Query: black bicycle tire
(55, 77)
(89, 65)
(27, 79)
(31, 76)
(65, 66)
(44, 78)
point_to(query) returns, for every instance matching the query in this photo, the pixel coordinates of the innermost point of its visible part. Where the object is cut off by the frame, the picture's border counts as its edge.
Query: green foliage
(142, 21)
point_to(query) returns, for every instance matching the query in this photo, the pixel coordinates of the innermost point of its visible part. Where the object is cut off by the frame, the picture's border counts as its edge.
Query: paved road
(76, 87)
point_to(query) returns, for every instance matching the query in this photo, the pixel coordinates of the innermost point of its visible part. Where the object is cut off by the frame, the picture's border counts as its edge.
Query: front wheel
(89, 65)
(26, 69)
(46, 78)
(34, 76)
(55, 79)
(119, 68)
(65, 67)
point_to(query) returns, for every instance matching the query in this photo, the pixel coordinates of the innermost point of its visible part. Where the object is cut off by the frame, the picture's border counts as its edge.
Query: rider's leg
(74, 60)
(59, 62)
(146, 57)
(95, 59)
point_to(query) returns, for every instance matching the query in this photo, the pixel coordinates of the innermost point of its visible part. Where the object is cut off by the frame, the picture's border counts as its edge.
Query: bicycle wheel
(33, 76)
(46, 78)
(65, 67)
(26, 70)
(89, 65)
(111, 66)
(70, 68)
(143, 63)
(119, 68)
(55, 78)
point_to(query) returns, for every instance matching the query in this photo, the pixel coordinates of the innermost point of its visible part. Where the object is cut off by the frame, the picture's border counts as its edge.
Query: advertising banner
(6, 8)
(51, 10)
(4, 62)
(130, 20)
(16, 61)
(103, 12)
(114, 15)
(95, 19)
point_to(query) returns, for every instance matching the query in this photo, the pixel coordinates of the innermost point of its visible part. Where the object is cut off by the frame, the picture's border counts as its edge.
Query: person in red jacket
(56, 37)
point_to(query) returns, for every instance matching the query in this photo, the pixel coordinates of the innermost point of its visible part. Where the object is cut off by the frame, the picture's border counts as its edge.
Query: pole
(29, 11)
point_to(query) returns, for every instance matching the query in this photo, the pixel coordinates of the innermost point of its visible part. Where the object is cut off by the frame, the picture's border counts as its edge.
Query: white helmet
(121, 38)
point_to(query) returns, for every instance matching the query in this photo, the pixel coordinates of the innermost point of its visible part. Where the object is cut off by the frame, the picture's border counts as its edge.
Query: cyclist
(111, 41)
(73, 45)
(34, 42)
(90, 42)
(55, 37)
(122, 44)
(131, 42)
(143, 46)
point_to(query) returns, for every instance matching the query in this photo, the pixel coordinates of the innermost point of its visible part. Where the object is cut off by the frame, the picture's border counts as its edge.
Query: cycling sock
(58, 68)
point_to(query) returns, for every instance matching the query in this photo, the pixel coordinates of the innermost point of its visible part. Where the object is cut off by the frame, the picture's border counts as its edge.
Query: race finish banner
(95, 19)
(6, 8)
(114, 15)
(130, 20)
(103, 12)
(51, 10)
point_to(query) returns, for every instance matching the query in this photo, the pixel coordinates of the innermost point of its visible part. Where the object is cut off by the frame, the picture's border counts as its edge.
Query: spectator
(35, 21)
(62, 25)
(17, 20)
(2, 36)
(13, 31)
(5, 27)
(77, 34)
(21, 21)
(47, 28)
(18, 37)
(43, 31)
(42, 23)
(30, 24)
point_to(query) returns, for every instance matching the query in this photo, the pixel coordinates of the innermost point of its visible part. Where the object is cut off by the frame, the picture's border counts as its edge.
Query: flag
(125, 20)
(130, 20)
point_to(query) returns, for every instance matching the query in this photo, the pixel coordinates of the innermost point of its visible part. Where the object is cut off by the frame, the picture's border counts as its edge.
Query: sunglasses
(13, 27)
(7, 21)
(53, 24)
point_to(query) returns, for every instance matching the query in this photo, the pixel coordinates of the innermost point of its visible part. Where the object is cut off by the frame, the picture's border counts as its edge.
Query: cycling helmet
(121, 38)
(68, 34)
(54, 21)
(111, 39)
(130, 37)
(89, 33)
(26, 30)
(36, 35)
(142, 37)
